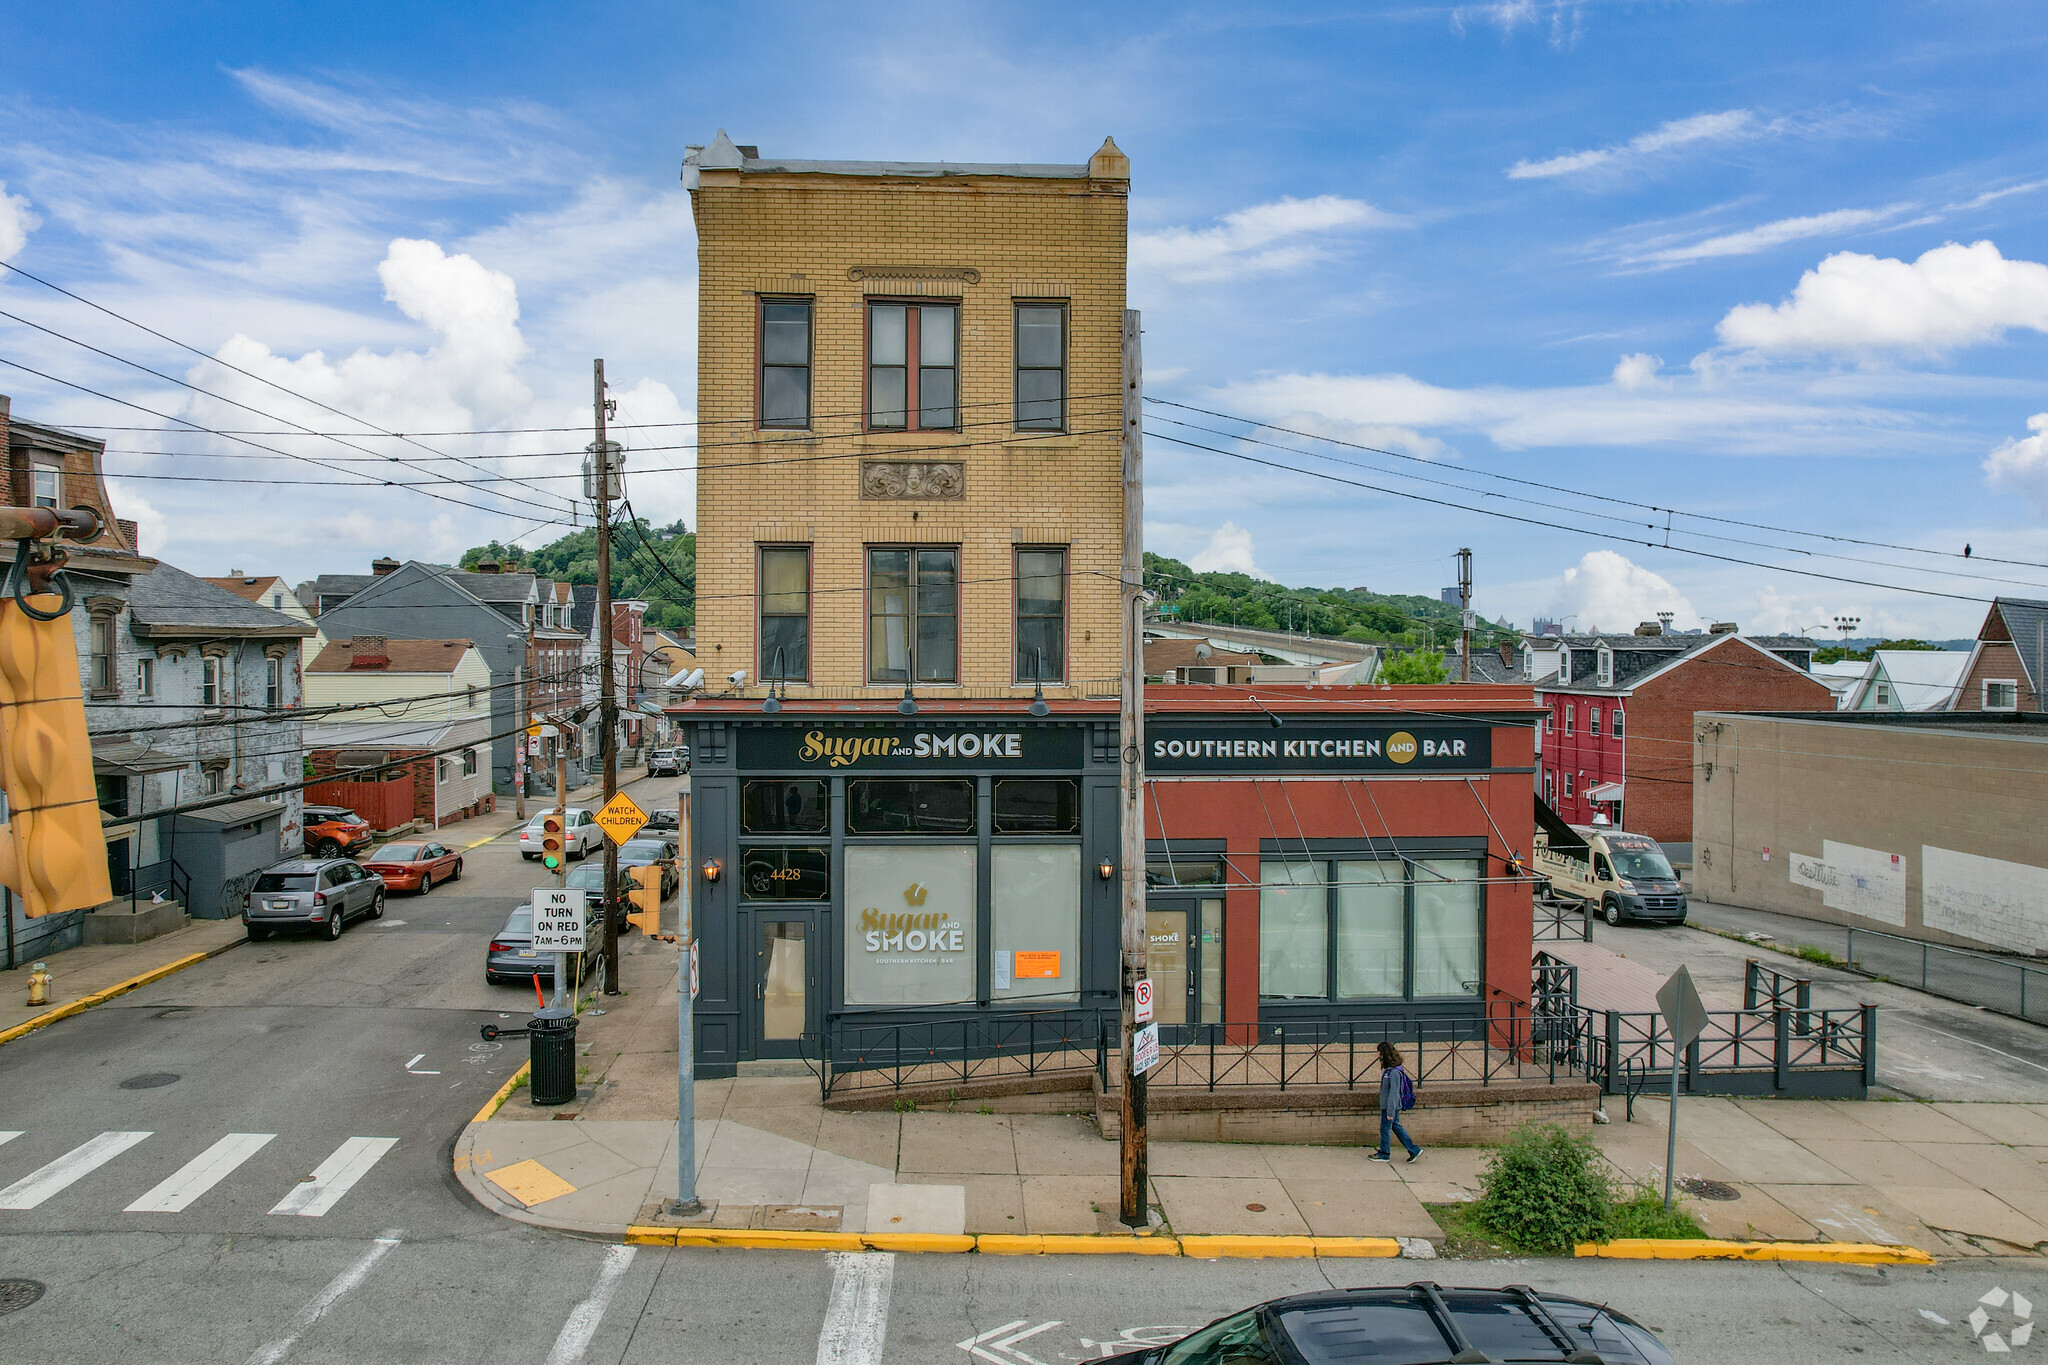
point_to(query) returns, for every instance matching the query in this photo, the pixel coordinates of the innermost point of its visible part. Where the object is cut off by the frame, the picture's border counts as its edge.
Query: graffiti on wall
(1989, 900)
(1865, 882)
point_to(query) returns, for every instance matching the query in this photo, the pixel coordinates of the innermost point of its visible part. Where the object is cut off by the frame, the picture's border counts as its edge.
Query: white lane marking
(985, 1345)
(81, 1161)
(272, 1352)
(8, 1135)
(201, 1174)
(415, 1062)
(857, 1315)
(333, 1177)
(583, 1319)
(1913, 1023)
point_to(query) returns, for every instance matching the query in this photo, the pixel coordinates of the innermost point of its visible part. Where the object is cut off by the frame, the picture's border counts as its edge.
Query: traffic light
(551, 841)
(645, 896)
(53, 853)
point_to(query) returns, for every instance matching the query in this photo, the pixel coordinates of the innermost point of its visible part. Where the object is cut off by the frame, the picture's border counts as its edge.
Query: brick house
(421, 699)
(1618, 739)
(2010, 655)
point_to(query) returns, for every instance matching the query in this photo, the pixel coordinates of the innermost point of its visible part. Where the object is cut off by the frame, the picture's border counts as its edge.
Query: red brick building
(1618, 739)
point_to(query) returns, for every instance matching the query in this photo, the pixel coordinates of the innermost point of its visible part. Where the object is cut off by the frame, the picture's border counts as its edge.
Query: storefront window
(797, 806)
(785, 874)
(884, 807)
(1051, 806)
(1372, 930)
(1294, 930)
(1447, 942)
(1036, 890)
(910, 916)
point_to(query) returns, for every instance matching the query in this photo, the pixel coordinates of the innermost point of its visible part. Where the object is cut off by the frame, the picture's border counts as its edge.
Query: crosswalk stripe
(201, 1173)
(81, 1161)
(270, 1352)
(334, 1177)
(8, 1135)
(574, 1338)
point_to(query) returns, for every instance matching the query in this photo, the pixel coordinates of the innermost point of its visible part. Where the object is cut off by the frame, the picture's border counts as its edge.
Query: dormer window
(48, 489)
(1603, 674)
(1564, 667)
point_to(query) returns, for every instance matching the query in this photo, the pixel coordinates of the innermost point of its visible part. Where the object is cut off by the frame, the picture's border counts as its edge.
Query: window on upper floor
(1041, 632)
(273, 683)
(785, 594)
(470, 698)
(1593, 721)
(1567, 786)
(209, 681)
(47, 489)
(1568, 717)
(101, 661)
(2001, 694)
(145, 677)
(277, 601)
(913, 366)
(1041, 351)
(1617, 722)
(784, 392)
(1603, 667)
(1564, 667)
(913, 615)
(1884, 695)
(469, 763)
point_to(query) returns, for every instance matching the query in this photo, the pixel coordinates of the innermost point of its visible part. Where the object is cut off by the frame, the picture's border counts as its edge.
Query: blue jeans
(1391, 1124)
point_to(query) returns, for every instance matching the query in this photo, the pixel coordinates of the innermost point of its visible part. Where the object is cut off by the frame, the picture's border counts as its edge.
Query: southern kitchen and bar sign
(1173, 747)
(974, 746)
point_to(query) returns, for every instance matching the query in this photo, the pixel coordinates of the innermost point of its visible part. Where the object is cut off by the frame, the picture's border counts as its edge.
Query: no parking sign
(1141, 1001)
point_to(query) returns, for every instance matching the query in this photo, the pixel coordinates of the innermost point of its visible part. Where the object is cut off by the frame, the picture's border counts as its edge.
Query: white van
(1625, 875)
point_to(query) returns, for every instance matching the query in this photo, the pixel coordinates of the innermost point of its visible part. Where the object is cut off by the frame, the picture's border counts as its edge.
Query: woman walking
(1397, 1093)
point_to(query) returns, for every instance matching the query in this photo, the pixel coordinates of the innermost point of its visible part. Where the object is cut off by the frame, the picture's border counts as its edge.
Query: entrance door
(788, 964)
(1184, 958)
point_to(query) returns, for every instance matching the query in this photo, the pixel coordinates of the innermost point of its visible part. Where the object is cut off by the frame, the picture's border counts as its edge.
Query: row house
(269, 590)
(427, 701)
(1617, 739)
(629, 620)
(2009, 659)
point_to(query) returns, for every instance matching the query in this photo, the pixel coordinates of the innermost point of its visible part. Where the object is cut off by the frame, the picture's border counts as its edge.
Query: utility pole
(562, 872)
(607, 707)
(1465, 614)
(523, 743)
(1133, 1210)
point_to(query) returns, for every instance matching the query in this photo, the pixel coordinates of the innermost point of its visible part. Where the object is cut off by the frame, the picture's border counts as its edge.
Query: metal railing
(851, 1053)
(1768, 988)
(164, 875)
(1557, 921)
(1996, 983)
(1770, 1044)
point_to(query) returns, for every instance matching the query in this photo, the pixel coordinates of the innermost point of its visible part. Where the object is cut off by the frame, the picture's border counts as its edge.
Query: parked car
(333, 831)
(645, 850)
(512, 956)
(580, 834)
(1618, 875)
(664, 763)
(311, 893)
(663, 820)
(1419, 1324)
(414, 866)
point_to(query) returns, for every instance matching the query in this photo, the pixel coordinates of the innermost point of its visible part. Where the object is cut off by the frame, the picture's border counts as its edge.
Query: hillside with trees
(653, 564)
(1235, 599)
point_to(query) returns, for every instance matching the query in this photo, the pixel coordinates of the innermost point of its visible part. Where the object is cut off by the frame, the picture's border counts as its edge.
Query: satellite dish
(1202, 650)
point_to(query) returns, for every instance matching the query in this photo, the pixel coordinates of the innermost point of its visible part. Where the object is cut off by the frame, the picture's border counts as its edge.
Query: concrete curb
(497, 1101)
(100, 997)
(1699, 1249)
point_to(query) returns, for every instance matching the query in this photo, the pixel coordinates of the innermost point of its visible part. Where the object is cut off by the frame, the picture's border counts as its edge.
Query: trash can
(551, 1037)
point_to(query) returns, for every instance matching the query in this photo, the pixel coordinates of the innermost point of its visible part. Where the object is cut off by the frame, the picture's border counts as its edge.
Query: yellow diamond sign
(621, 818)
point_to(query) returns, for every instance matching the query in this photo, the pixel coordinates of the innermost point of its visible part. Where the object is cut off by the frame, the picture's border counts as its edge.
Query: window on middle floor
(273, 683)
(1041, 350)
(1041, 633)
(209, 681)
(785, 613)
(785, 386)
(913, 366)
(913, 615)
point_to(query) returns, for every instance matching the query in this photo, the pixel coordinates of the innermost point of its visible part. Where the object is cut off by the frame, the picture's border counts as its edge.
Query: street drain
(149, 1080)
(16, 1295)
(1699, 1187)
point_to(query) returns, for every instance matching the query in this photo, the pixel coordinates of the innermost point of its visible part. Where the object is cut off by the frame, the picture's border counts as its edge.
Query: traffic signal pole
(562, 863)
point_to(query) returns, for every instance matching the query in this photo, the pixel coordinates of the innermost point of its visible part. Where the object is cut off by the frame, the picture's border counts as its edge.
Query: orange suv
(335, 832)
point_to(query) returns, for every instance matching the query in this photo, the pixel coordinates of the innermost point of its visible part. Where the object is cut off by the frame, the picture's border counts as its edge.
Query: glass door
(786, 950)
(1184, 958)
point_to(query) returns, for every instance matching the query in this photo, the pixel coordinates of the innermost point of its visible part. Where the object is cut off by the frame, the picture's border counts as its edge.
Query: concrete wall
(1927, 831)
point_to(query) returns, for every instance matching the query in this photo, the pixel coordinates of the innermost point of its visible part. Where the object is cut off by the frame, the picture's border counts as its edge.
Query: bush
(1643, 1214)
(1545, 1191)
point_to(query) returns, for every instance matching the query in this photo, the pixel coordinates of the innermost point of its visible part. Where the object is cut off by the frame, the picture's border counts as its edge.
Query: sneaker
(1379, 1156)
(1416, 1153)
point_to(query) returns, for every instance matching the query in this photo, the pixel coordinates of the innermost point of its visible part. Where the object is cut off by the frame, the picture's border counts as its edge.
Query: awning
(1606, 791)
(132, 758)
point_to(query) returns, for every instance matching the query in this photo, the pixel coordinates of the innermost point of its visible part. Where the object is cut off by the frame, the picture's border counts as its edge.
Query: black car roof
(1547, 1322)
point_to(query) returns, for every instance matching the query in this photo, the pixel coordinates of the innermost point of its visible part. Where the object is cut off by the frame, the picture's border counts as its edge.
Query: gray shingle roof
(2024, 620)
(168, 603)
(488, 587)
(583, 612)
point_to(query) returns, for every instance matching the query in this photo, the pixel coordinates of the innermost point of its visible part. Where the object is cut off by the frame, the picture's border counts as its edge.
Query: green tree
(1422, 666)
(657, 566)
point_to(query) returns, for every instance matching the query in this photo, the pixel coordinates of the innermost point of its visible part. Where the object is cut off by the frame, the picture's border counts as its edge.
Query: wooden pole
(1131, 792)
(607, 704)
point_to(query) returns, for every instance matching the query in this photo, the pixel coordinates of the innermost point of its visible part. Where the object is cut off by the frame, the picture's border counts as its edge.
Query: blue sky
(1773, 263)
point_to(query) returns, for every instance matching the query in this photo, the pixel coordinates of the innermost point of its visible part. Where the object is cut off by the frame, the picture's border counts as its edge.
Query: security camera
(693, 680)
(738, 678)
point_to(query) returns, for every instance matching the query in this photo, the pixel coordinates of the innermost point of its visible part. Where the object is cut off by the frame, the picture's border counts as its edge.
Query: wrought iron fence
(1558, 921)
(1996, 983)
(1774, 1045)
(852, 1053)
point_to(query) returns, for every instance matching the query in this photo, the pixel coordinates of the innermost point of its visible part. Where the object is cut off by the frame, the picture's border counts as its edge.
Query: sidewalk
(77, 973)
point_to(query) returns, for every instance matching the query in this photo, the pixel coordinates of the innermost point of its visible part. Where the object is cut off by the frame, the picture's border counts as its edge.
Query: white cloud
(1562, 17)
(1286, 234)
(1229, 551)
(1727, 125)
(1608, 591)
(1638, 371)
(1764, 236)
(1856, 305)
(2021, 464)
(16, 223)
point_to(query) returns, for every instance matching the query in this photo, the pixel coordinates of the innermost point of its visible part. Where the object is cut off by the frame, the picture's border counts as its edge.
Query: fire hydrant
(39, 984)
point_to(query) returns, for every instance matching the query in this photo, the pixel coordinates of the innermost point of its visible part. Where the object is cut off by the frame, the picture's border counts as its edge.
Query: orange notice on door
(1037, 966)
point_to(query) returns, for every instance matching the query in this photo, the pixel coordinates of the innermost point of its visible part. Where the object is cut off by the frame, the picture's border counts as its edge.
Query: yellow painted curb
(1357, 1246)
(1012, 1244)
(638, 1236)
(1703, 1249)
(913, 1241)
(497, 1101)
(767, 1239)
(1235, 1247)
(86, 1002)
(1072, 1244)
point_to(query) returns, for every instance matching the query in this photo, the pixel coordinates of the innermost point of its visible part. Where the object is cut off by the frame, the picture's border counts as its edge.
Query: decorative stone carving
(912, 479)
(173, 649)
(914, 272)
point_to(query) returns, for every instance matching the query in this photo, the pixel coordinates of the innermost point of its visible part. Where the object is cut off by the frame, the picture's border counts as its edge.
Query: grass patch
(1465, 1238)
(1549, 1189)
(1807, 952)
(1643, 1214)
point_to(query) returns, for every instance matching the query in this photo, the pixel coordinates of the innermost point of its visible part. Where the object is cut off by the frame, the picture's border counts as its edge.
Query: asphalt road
(291, 1201)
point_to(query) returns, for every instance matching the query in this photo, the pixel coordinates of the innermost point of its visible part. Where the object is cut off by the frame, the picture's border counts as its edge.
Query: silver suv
(311, 893)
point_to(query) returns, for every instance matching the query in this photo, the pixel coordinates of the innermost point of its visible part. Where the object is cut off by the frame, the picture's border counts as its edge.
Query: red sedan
(414, 867)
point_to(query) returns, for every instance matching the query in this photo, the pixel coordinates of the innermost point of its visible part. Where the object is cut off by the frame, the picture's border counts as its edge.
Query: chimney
(130, 532)
(380, 567)
(234, 573)
(368, 651)
(1650, 628)
(1723, 628)
(487, 566)
(1507, 654)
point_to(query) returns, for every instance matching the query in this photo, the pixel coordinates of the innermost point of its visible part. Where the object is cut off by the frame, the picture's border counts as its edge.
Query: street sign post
(1144, 1049)
(1141, 1001)
(1685, 1014)
(621, 818)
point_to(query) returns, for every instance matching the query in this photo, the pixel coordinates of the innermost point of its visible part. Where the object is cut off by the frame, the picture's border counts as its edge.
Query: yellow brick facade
(986, 240)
